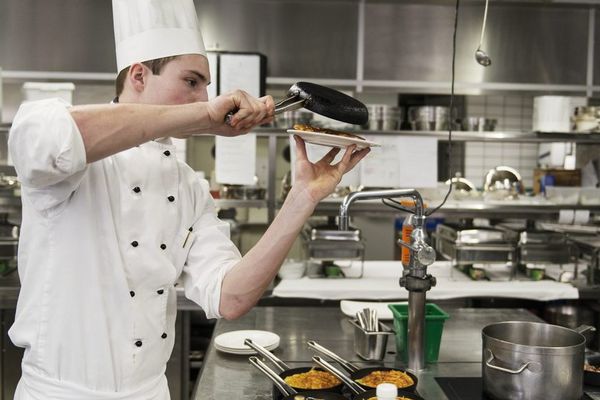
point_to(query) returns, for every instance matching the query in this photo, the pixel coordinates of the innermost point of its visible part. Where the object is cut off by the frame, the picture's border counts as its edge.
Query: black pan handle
(284, 388)
(267, 354)
(348, 366)
(353, 386)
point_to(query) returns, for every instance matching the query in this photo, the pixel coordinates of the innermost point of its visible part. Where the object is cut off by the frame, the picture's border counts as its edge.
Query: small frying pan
(321, 100)
(359, 392)
(288, 392)
(287, 371)
(359, 373)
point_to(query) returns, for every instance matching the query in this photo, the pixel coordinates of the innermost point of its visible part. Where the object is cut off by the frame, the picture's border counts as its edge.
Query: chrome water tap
(415, 277)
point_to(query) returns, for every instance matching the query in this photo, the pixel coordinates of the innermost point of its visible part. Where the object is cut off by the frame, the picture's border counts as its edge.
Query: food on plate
(398, 378)
(591, 368)
(310, 128)
(313, 379)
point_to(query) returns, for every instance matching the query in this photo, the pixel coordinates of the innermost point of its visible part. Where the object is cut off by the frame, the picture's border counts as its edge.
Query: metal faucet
(415, 277)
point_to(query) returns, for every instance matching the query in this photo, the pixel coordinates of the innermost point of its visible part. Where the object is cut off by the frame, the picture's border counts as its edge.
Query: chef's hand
(249, 113)
(320, 179)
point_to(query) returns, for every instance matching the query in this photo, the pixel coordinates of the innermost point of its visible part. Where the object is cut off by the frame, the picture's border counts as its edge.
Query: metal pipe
(416, 330)
(376, 194)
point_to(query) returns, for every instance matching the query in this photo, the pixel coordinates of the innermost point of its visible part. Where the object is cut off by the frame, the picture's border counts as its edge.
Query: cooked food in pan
(398, 378)
(591, 368)
(309, 128)
(313, 379)
(397, 398)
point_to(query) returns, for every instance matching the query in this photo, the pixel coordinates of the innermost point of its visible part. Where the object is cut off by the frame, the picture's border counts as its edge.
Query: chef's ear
(137, 76)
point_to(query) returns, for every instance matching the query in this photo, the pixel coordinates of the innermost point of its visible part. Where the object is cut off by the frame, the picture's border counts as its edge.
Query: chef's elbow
(233, 311)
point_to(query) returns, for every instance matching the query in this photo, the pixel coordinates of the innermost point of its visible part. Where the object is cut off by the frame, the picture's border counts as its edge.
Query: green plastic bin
(434, 325)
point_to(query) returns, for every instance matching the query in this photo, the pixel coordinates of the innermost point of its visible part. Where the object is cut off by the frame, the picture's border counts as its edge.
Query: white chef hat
(150, 29)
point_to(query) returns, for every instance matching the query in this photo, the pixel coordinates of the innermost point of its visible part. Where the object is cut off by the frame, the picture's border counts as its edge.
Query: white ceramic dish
(326, 139)
(233, 342)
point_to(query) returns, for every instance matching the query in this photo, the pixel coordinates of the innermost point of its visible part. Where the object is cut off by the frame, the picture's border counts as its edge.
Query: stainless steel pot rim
(531, 349)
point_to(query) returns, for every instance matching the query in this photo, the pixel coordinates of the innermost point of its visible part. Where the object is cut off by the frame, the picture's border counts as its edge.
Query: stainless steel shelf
(466, 136)
(230, 203)
(459, 136)
(463, 210)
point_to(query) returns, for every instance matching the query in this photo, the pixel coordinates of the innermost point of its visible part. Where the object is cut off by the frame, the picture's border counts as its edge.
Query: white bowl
(292, 270)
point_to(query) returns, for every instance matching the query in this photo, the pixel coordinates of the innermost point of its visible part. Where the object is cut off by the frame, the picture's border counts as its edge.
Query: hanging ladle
(321, 100)
(480, 55)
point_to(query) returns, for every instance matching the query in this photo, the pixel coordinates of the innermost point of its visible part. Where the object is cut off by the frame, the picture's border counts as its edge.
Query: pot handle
(491, 358)
(583, 329)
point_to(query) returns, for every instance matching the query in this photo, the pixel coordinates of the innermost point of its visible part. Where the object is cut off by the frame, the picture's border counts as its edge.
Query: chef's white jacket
(102, 246)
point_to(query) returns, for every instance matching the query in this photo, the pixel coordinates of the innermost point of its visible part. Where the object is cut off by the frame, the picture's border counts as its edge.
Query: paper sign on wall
(235, 159)
(212, 65)
(240, 71)
(407, 161)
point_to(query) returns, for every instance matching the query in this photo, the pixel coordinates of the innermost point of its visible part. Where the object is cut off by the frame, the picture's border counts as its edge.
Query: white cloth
(101, 248)
(150, 29)
(380, 282)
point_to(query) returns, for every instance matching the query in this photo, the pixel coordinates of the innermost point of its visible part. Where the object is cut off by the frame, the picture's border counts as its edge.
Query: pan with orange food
(369, 378)
(359, 392)
(288, 392)
(301, 379)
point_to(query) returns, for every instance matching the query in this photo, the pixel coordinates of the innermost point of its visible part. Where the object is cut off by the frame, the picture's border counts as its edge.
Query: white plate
(350, 308)
(233, 342)
(326, 139)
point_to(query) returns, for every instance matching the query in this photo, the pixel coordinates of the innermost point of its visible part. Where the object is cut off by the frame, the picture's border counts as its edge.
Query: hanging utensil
(480, 55)
(321, 100)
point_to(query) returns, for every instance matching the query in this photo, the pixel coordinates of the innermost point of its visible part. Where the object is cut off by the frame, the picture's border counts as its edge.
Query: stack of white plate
(233, 342)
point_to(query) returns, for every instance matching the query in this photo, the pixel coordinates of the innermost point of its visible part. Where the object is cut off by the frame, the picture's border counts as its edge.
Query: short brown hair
(155, 66)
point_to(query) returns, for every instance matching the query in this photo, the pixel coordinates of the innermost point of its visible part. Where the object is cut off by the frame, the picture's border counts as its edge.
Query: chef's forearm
(244, 285)
(111, 128)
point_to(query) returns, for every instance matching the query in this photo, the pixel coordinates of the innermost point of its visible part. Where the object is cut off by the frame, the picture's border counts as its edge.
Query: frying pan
(288, 392)
(359, 373)
(286, 371)
(359, 392)
(589, 377)
(321, 100)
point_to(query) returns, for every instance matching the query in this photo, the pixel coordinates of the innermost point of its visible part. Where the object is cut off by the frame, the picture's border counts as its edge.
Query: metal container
(371, 346)
(384, 118)
(288, 119)
(429, 118)
(479, 124)
(532, 361)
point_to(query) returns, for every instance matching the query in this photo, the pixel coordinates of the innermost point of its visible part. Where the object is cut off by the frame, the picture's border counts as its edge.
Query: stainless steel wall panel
(300, 38)
(57, 35)
(528, 44)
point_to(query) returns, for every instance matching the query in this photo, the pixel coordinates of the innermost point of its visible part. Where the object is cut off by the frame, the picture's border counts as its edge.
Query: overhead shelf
(466, 136)
(467, 209)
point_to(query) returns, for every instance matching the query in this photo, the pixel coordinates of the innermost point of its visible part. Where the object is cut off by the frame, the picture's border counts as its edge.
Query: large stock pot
(533, 361)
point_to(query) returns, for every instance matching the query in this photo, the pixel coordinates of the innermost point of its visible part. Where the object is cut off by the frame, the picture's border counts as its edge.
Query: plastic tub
(590, 196)
(563, 194)
(434, 326)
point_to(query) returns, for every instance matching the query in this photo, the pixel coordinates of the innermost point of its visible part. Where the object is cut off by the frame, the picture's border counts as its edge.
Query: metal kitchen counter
(227, 376)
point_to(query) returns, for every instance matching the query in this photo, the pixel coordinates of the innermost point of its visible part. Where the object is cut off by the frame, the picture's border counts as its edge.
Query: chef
(112, 221)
